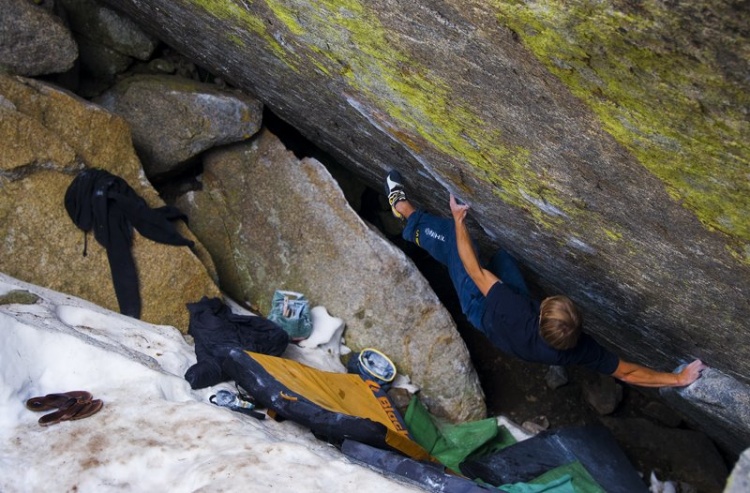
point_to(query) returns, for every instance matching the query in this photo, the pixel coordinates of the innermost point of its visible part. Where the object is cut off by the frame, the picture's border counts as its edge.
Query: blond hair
(560, 322)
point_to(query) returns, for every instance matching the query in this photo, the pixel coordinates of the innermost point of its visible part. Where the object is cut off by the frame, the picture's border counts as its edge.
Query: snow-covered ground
(154, 433)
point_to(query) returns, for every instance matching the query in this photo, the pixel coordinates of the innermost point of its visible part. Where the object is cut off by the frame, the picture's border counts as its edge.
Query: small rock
(536, 425)
(556, 377)
(603, 394)
(101, 61)
(400, 398)
(106, 27)
(162, 65)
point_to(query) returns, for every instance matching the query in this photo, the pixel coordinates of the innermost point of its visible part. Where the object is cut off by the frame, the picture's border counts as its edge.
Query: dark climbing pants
(437, 235)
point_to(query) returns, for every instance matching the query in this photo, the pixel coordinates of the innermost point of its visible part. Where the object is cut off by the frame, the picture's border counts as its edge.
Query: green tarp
(451, 444)
(570, 478)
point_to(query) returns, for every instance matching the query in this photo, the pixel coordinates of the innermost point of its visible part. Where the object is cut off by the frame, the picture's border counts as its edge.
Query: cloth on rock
(216, 331)
(451, 444)
(99, 200)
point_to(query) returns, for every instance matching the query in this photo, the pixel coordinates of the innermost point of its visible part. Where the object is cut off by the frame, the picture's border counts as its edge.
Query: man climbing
(497, 302)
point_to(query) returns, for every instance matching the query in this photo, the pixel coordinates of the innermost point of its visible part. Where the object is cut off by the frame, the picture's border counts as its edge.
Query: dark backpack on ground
(217, 331)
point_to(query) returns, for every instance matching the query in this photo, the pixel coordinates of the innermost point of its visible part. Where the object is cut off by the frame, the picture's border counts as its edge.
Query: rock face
(46, 137)
(723, 398)
(272, 221)
(739, 480)
(173, 119)
(604, 145)
(33, 41)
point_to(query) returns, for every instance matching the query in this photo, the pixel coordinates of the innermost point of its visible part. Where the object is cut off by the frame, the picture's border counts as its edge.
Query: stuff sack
(291, 311)
(371, 364)
(216, 330)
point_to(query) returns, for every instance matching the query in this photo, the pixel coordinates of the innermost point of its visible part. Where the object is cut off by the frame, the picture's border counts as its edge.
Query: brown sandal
(71, 411)
(55, 401)
(66, 411)
(87, 409)
(73, 405)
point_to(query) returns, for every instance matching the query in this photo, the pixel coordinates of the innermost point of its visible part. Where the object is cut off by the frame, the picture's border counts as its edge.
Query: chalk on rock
(720, 403)
(739, 480)
(323, 348)
(404, 382)
(326, 329)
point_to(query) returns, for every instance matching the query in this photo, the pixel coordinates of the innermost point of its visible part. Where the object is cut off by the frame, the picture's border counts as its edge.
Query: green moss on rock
(411, 103)
(233, 12)
(18, 296)
(404, 98)
(659, 93)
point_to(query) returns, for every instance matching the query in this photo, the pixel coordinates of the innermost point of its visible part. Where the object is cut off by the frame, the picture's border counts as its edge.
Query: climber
(497, 302)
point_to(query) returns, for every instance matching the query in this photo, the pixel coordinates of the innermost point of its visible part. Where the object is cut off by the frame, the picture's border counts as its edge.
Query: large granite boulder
(173, 118)
(272, 221)
(604, 144)
(46, 137)
(34, 41)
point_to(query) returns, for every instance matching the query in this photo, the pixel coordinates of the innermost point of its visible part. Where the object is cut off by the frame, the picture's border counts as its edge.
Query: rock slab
(33, 41)
(273, 221)
(174, 119)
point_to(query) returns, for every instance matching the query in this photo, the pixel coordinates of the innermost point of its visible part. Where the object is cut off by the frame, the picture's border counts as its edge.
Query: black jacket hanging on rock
(216, 331)
(99, 200)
